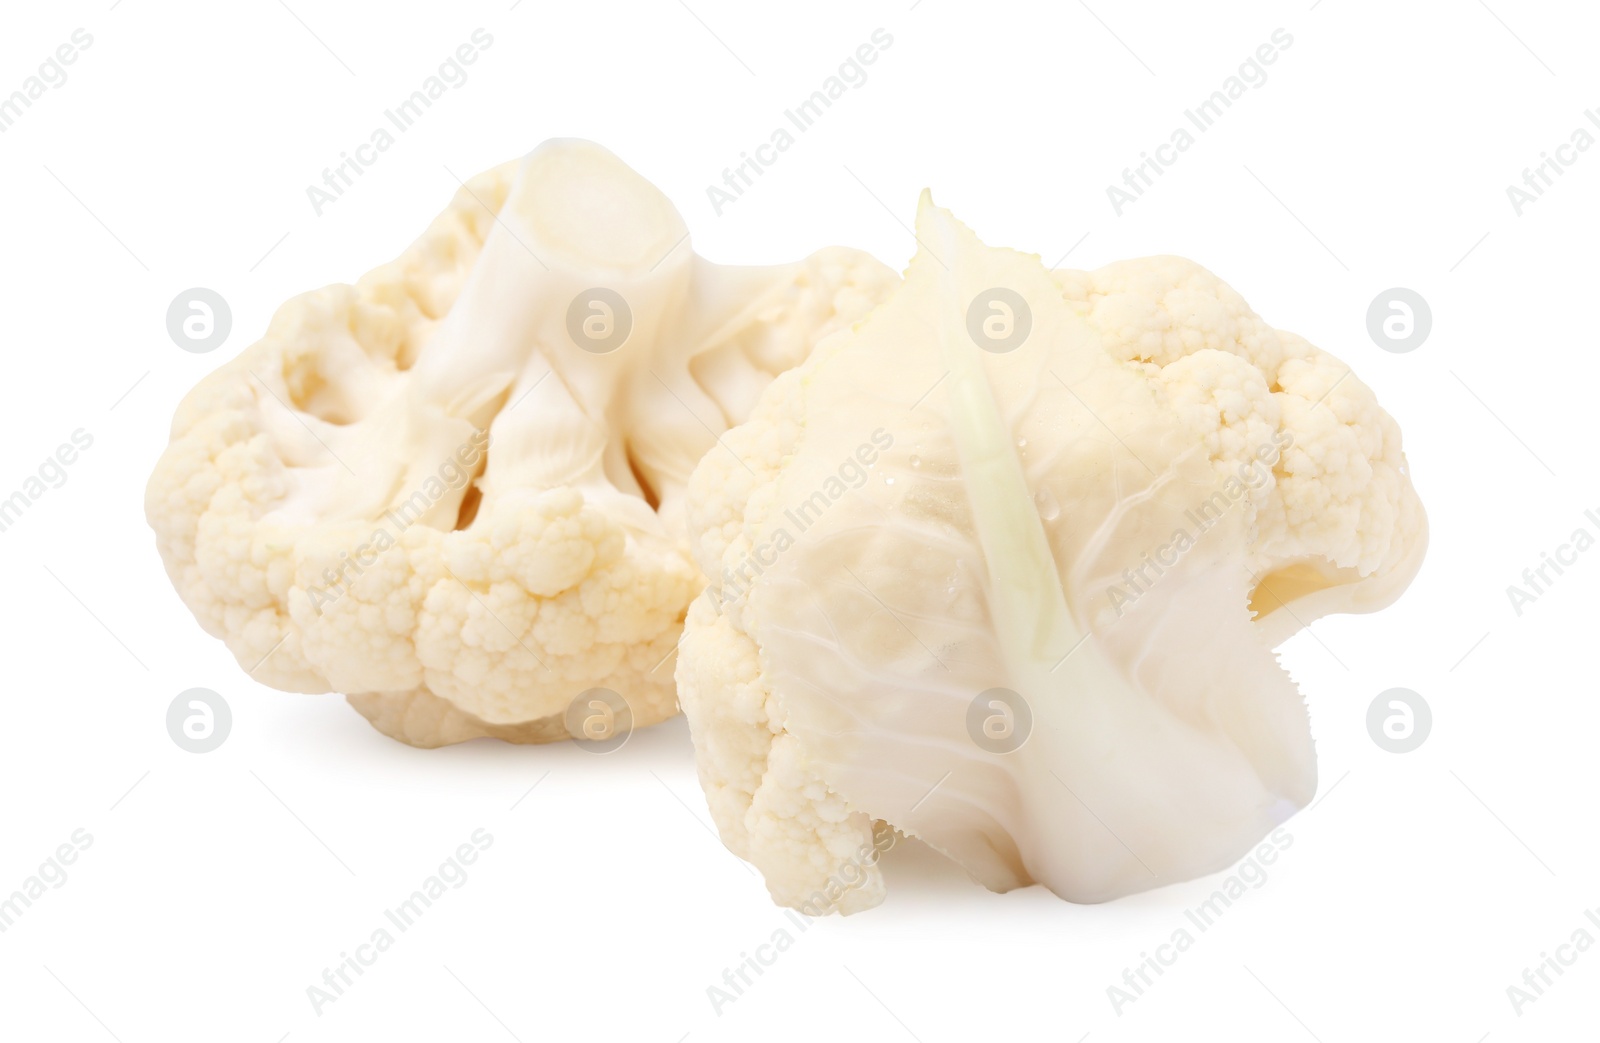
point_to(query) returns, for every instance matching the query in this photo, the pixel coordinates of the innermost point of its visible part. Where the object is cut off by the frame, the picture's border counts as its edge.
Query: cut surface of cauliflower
(453, 491)
(982, 572)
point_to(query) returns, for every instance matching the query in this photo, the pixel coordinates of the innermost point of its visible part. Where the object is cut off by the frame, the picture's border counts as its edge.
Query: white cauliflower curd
(453, 491)
(1002, 568)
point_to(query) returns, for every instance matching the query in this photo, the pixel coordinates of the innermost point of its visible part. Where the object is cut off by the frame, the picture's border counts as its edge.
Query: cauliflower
(1338, 528)
(1020, 602)
(453, 491)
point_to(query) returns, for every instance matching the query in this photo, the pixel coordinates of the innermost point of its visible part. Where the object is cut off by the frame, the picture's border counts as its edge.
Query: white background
(219, 886)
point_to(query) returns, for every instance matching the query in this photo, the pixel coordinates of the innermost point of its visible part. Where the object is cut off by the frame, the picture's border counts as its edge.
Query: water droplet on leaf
(1049, 509)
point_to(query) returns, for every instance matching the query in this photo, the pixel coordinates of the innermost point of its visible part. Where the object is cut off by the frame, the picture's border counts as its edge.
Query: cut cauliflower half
(1336, 525)
(454, 491)
(976, 577)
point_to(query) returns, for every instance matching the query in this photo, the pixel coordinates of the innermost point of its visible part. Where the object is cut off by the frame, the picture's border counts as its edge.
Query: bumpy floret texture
(1007, 596)
(1338, 526)
(453, 490)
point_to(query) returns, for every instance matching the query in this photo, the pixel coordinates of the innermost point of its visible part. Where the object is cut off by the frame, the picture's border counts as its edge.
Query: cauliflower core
(1002, 568)
(453, 491)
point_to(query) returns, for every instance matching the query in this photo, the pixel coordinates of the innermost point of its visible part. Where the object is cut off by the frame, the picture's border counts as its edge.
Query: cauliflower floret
(1001, 600)
(454, 490)
(1337, 524)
